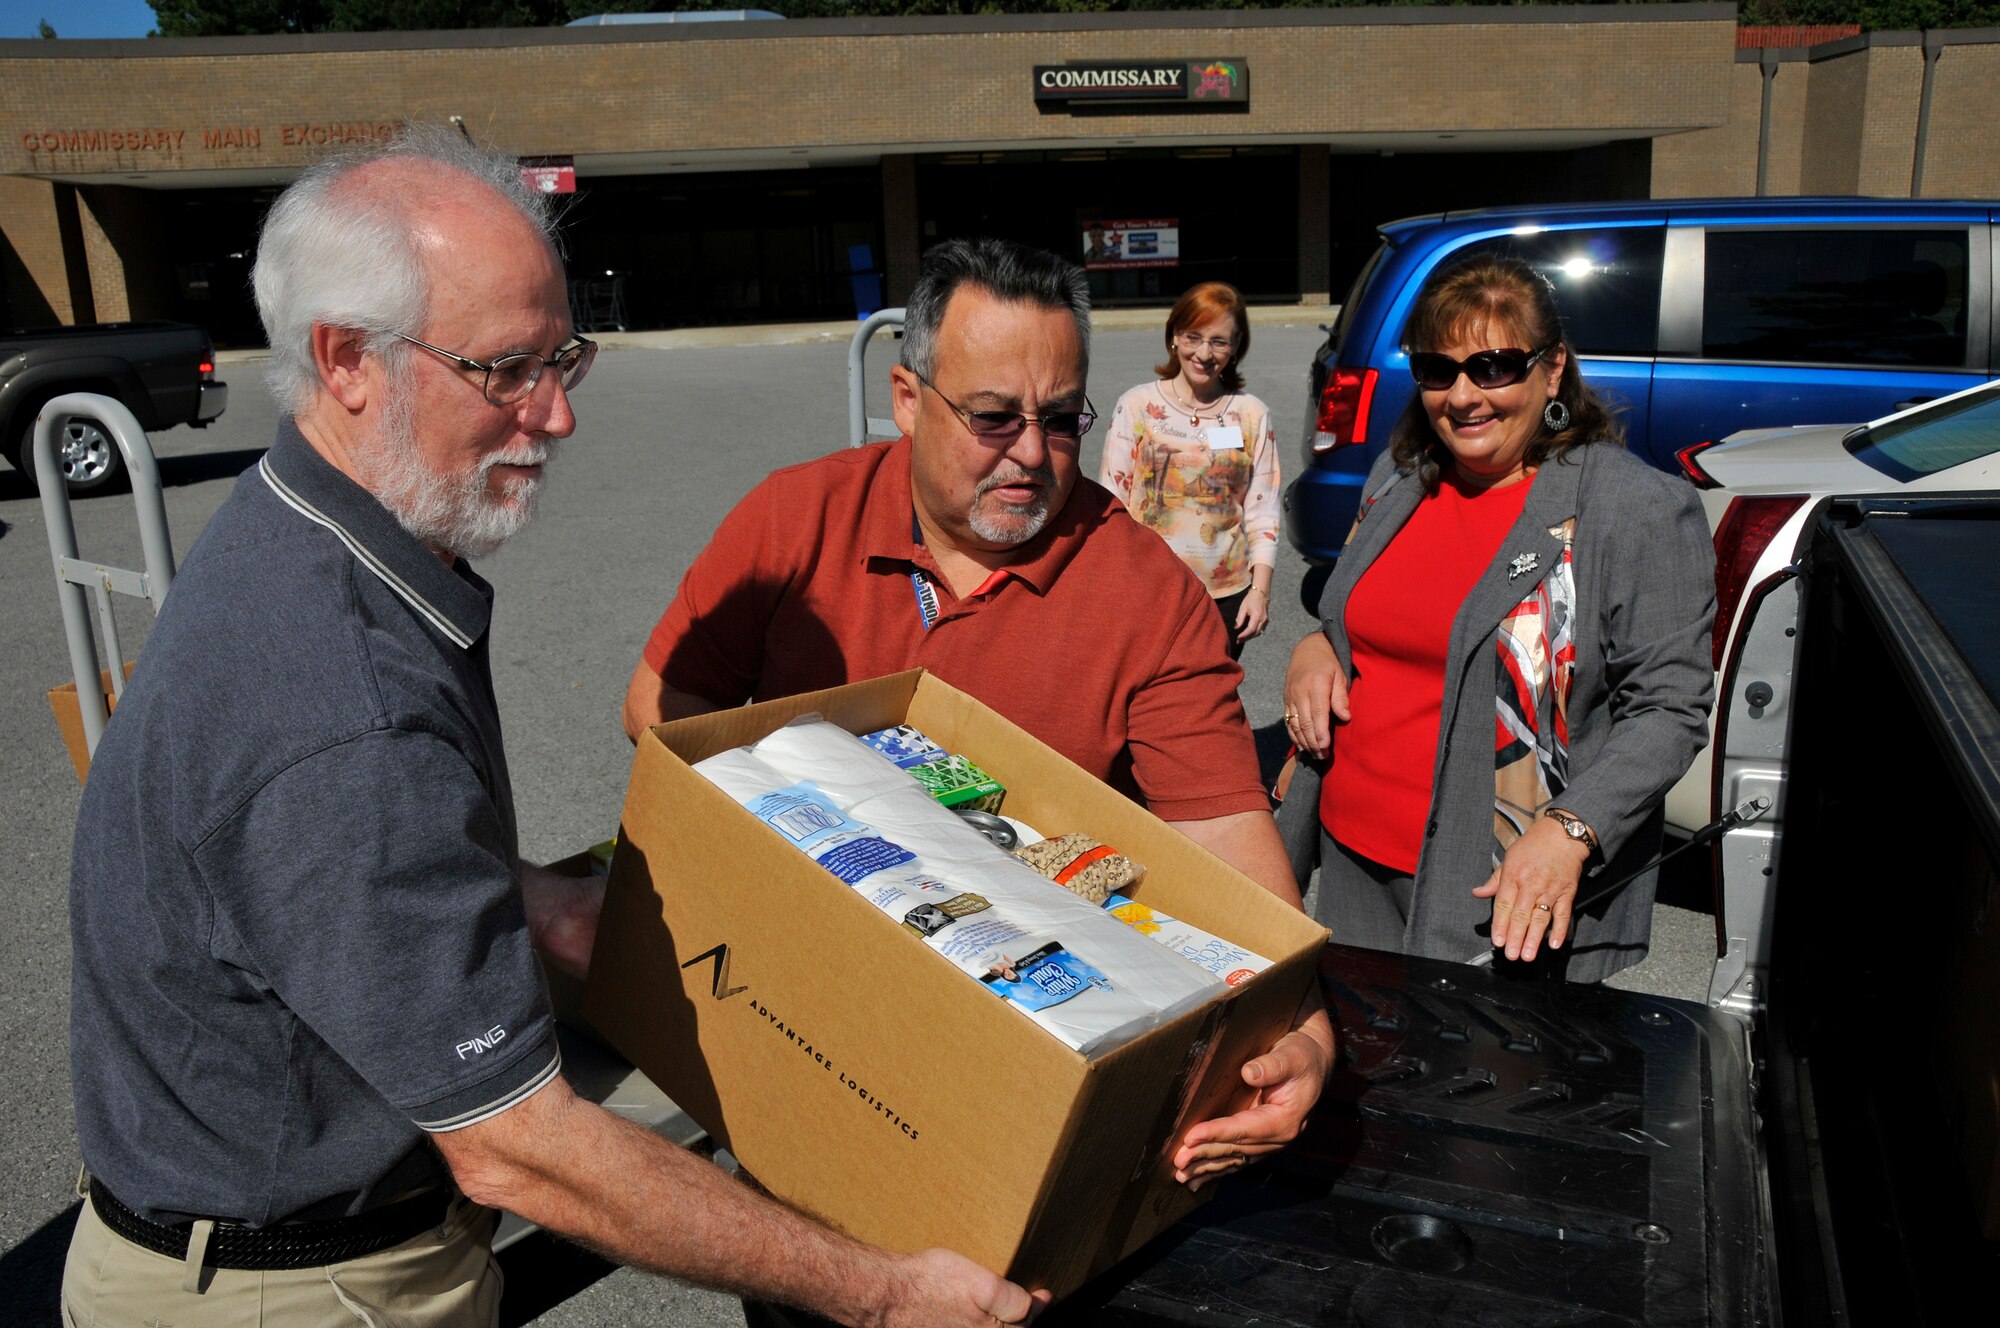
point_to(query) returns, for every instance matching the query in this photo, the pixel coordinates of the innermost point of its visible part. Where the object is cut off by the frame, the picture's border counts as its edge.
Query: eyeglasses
(1195, 341)
(512, 377)
(1487, 370)
(1007, 424)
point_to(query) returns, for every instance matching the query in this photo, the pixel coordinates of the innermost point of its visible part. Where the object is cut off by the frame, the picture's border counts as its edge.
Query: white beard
(454, 513)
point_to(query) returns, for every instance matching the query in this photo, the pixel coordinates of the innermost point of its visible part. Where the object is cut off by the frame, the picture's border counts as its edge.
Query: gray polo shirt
(298, 935)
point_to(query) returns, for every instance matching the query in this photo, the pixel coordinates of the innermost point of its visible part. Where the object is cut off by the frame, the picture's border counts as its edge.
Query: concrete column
(902, 246)
(1315, 224)
(47, 279)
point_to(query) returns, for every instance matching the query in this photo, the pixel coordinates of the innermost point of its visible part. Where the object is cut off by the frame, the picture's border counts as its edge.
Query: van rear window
(1345, 318)
(1801, 295)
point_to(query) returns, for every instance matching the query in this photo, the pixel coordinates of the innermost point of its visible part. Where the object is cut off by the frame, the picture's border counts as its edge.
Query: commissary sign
(1219, 81)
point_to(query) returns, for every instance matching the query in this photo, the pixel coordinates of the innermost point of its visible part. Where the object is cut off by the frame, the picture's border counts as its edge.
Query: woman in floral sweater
(1193, 456)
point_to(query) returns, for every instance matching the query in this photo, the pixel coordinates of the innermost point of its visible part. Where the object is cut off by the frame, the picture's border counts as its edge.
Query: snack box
(959, 784)
(862, 1078)
(904, 745)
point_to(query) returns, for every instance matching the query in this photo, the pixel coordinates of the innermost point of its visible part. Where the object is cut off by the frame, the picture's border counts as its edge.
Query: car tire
(86, 453)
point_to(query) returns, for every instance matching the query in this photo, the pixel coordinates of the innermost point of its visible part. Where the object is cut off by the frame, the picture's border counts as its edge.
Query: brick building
(774, 170)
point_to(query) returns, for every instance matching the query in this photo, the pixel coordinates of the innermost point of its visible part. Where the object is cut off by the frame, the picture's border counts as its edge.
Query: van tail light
(1343, 409)
(1746, 530)
(1689, 457)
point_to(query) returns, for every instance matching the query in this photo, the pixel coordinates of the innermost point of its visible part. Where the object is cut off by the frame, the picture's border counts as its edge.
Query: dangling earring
(1555, 416)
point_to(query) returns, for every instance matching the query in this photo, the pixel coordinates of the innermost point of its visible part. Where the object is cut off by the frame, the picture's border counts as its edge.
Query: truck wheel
(85, 453)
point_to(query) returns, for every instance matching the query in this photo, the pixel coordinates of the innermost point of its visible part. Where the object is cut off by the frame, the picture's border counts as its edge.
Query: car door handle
(1913, 401)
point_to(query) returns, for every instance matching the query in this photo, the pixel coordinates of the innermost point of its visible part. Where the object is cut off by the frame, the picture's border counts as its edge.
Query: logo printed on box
(720, 954)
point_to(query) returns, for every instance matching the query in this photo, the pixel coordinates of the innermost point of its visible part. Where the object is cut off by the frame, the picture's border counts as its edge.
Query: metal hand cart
(860, 428)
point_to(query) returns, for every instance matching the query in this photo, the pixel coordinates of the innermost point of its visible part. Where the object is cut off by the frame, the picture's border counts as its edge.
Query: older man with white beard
(311, 1043)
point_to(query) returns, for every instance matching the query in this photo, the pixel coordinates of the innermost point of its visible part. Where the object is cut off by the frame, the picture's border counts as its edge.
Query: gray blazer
(1639, 699)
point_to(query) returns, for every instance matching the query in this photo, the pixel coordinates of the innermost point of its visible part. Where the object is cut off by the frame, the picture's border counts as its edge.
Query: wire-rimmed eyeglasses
(1007, 424)
(1194, 341)
(512, 377)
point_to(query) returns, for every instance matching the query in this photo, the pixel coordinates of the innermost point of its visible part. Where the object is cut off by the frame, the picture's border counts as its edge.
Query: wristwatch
(1573, 826)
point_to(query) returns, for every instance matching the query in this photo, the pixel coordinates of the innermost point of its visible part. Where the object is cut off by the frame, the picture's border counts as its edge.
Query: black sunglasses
(1007, 424)
(1487, 370)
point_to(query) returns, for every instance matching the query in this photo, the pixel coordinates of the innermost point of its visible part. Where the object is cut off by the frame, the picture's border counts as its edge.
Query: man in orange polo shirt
(970, 547)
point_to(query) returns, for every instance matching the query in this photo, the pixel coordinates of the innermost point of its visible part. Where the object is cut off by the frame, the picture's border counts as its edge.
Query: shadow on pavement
(1273, 746)
(542, 1272)
(31, 1272)
(201, 467)
(175, 472)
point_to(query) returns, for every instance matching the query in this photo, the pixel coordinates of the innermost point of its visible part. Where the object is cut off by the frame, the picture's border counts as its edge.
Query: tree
(206, 18)
(45, 31)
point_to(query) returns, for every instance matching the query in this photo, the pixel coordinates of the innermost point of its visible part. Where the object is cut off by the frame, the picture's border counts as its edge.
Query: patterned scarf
(1537, 661)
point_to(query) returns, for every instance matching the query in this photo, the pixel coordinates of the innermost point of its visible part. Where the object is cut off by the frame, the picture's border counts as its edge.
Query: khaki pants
(443, 1277)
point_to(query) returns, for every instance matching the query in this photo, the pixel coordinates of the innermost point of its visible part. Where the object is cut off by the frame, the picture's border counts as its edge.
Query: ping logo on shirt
(483, 1043)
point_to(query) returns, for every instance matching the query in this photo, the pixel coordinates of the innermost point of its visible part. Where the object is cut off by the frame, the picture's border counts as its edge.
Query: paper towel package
(864, 1076)
(1082, 974)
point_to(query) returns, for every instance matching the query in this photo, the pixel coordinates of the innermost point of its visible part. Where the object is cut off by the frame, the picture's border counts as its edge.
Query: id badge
(1223, 437)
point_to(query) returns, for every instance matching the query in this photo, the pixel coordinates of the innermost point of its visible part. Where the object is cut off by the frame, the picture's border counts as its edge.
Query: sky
(77, 18)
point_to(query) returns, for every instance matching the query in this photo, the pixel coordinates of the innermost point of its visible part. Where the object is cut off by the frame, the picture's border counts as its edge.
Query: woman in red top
(1514, 665)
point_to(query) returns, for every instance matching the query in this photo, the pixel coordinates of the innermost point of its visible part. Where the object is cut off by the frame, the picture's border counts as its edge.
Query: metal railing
(73, 574)
(860, 428)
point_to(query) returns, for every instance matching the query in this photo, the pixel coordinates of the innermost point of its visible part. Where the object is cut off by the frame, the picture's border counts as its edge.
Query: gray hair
(346, 255)
(1008, 271)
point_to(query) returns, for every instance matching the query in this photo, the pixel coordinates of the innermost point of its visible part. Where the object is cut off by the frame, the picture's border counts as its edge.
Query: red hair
(1203, 304)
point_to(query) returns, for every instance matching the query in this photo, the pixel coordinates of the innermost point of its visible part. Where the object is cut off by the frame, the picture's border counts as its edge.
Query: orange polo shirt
(1096, 639)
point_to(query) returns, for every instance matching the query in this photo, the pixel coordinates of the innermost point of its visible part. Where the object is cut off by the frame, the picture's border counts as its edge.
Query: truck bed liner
(1490, 1151)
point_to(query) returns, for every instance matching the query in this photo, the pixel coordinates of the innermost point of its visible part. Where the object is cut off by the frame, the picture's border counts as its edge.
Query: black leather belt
(286, 1245)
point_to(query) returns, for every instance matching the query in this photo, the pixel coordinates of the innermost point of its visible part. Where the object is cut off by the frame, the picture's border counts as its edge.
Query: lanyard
(927, 595)
(927, 600)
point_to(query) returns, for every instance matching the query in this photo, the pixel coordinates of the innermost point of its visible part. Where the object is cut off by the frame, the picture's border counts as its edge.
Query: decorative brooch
(1523, 563)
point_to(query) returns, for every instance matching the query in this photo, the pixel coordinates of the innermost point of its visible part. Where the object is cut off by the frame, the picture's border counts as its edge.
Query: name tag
(1224, 436)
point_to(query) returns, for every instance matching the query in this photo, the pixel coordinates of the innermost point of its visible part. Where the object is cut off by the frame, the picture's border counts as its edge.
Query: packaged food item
(956, 783)
(1043, 978)
(1227, 960)
(1076, 971)
(904, 745)
(1081, 865)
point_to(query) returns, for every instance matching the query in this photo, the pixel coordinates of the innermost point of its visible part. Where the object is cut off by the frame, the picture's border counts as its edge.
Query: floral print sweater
(1215, 504)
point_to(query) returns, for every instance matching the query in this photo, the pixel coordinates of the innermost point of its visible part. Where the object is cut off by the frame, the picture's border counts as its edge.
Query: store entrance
(1230, 212)
(736, 247)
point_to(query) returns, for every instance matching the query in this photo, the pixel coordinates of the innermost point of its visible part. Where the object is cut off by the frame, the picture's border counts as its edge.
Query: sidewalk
(801, 334)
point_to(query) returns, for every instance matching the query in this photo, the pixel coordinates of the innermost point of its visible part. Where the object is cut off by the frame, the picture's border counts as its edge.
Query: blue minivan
(1698, 317)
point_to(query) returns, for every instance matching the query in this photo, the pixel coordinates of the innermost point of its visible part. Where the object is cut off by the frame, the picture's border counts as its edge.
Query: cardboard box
(864, 1078)
(69, 718)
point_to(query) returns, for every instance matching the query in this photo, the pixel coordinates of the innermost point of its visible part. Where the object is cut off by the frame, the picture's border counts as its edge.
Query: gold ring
(1544, 908)
(1290, 716)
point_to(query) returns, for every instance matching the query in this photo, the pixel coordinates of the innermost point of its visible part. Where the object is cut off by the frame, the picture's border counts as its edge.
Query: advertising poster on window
(1155, 242)
(549, 175)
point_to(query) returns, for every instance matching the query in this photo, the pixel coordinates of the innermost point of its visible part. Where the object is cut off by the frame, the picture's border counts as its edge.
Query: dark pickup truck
(164, 373)
(1507, 1153)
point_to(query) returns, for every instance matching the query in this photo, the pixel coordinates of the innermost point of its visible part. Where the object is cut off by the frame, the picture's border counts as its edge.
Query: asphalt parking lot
(668, 439)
